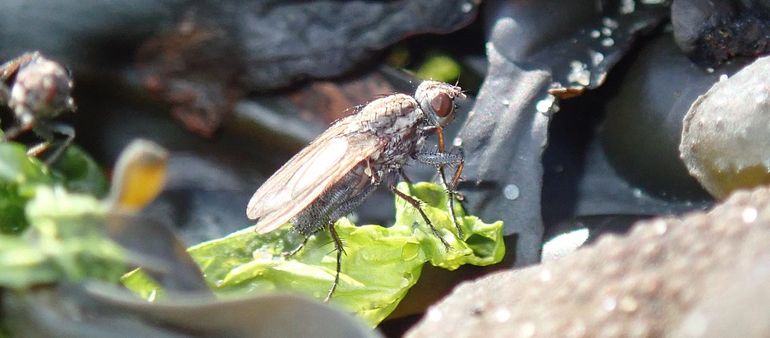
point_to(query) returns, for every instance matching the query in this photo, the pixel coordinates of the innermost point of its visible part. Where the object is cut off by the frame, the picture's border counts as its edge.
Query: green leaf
(19, 174)
(378, 268)
(79, 172)
(16, 167)
(46, 233)
(439, 67)
(148, 288)
(66, 241)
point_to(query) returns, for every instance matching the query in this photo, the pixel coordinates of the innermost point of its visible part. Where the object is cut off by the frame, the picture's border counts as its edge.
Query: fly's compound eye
(442, 105)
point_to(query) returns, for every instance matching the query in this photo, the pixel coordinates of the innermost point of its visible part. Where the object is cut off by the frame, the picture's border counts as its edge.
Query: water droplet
(526, 330)
(579, 73)
(545, 104)
(596, 57)
(610, 23)
(511, 192)
(660, 227)
(627, 6)
(564, 244)
(709, 70)
(467, 7)
(502, 315)
(506, 103)
(608, 42)
(628, 304)
(545, 275)
(609, 304)
(749, 215)
(457, 142)
(595, 34)
(606, 31)
(723, 77)
(434, 314)
(638, 193)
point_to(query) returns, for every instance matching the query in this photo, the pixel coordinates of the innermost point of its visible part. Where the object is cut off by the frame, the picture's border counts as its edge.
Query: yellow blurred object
(140, 175)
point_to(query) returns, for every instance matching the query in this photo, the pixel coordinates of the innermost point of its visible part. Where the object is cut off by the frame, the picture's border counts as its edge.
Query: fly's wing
(308, 174)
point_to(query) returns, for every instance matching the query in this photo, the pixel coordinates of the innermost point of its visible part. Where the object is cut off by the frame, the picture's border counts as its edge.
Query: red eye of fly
(441, 104)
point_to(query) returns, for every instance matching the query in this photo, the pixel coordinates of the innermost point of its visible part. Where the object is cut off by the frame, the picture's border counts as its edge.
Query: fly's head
(39, 88)
(437, 101)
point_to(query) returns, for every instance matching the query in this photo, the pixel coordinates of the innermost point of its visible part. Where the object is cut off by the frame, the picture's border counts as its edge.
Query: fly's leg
(338, 247)
(5, 94)
(450, 190)
(297, 249)
(403, 175)
(340, 200)
(416, 204)
(440, 159)
(16, 130)
(47, 132)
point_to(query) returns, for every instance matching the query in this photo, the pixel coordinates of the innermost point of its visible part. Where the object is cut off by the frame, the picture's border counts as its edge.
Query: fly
(37, 90)
(335, 173)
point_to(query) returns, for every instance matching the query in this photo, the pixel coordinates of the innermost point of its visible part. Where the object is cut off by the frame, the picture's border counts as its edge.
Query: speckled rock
(687, 277)
(725, 143)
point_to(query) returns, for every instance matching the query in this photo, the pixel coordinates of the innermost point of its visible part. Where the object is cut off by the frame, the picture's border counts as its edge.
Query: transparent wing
(308, 174)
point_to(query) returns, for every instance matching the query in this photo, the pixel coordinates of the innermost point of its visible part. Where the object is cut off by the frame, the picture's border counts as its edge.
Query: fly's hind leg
(338, 202)
(297, 249)
(339, 249)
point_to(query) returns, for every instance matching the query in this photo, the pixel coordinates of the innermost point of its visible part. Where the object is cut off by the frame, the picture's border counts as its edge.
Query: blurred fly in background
(335, 173)
(37, 90)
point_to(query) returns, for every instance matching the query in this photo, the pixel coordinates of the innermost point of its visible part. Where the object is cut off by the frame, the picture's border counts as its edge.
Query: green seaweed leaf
(48, 234)
(20, 175)
(379, 266)
(65, 241)
(79, 173)
(439, 67)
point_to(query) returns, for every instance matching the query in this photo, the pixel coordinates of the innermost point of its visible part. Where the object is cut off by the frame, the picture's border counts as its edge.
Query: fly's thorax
(390, 115)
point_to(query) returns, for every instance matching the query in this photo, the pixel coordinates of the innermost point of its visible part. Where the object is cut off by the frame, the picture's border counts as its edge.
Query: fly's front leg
(5, 94)
(451, 202)
(18, 129)
(440, 159)
(46, 131)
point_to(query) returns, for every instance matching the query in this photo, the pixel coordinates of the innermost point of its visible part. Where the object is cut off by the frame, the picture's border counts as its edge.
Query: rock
(533, 63)
(713, 31)
(650, 282)
(218, 51)
(725, 142)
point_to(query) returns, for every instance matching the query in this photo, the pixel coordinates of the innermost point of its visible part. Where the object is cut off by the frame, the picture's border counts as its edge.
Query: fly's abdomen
(338, 201)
